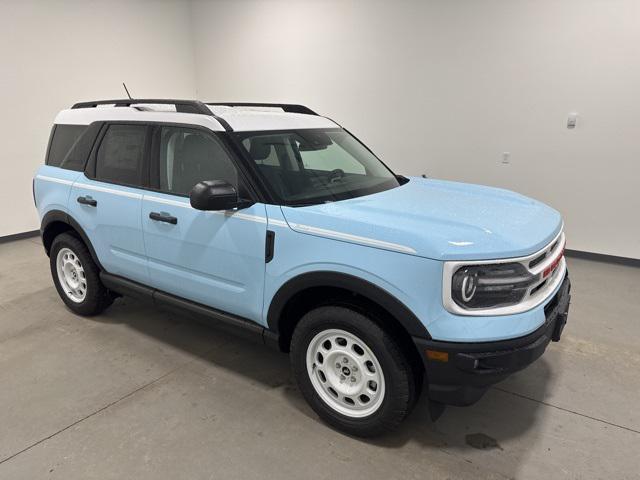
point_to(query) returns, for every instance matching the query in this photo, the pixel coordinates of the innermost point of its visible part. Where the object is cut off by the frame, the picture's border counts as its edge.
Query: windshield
(305, 167)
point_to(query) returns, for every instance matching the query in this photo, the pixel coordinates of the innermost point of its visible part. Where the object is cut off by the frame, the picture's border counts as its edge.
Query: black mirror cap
(213, 195)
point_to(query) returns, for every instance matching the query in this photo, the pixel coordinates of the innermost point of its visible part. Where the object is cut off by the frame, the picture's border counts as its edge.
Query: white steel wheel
(71, 275)
(345, 373)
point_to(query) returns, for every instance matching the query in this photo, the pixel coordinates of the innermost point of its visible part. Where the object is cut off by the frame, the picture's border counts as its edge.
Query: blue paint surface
(441, 220)
(397, 239)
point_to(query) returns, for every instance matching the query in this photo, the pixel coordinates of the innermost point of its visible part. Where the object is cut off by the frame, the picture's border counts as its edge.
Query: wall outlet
(506, 158)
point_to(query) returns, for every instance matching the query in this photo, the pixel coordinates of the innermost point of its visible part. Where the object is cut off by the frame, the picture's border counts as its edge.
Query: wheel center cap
(346, 371)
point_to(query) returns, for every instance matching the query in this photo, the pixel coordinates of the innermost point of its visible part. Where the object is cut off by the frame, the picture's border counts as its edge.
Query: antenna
(127, 90)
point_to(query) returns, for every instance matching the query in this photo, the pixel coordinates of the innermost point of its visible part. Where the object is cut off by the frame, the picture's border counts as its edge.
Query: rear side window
(121, 153)
(63, 137)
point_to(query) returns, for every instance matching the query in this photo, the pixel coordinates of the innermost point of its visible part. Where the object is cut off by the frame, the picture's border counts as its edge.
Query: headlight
(489, 286)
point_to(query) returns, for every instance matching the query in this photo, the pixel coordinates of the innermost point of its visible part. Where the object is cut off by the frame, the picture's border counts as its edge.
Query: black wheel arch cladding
(55, 222)
(404, 316)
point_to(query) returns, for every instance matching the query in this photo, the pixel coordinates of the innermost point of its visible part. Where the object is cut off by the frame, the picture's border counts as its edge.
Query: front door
(213, 258)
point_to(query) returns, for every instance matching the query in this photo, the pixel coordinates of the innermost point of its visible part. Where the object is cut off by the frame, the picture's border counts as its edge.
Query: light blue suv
(277, 222)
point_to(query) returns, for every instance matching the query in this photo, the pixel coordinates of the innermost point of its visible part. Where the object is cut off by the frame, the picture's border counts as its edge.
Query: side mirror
(214, 195)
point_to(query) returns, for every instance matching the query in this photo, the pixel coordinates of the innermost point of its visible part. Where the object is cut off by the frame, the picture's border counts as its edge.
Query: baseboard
(602, 257)
(19, 236)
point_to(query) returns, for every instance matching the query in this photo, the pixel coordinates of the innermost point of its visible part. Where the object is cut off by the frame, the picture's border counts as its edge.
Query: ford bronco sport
(277, 222)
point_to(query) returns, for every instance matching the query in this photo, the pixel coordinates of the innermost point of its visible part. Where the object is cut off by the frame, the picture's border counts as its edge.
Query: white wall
(56, 53)
(444, 87)
(441, 87)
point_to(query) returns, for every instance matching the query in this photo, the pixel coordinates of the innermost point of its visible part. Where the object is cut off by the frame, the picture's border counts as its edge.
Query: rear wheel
(352, 372)
(77, 277)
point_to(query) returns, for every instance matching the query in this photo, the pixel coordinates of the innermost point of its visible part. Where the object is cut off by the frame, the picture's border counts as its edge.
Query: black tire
(97, 297)
(399, 379)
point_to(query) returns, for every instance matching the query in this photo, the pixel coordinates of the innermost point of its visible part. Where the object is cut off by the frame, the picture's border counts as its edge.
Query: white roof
(244, 119)
(241, 119)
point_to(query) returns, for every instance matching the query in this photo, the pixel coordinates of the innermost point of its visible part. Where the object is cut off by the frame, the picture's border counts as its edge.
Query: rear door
(107, 199)
(213, 258)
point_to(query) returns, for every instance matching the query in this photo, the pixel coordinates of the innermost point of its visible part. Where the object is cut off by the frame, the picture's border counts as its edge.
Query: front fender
(356, 284)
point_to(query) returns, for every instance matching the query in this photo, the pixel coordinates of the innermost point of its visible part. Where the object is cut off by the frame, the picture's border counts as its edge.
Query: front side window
(316, 166)
(121, 153)
(188, 156)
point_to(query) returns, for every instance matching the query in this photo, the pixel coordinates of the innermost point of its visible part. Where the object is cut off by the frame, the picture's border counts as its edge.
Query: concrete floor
(141, 393)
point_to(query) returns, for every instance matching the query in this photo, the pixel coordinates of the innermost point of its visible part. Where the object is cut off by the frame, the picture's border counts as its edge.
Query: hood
(435, 219)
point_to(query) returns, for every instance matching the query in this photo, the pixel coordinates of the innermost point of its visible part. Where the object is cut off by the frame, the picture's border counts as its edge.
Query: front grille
(542, 262)
(535, 289)
(540, 258)
(537, 260)
(551, 305)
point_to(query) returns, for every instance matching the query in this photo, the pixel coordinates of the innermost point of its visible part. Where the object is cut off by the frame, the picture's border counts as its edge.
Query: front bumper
(460, 373)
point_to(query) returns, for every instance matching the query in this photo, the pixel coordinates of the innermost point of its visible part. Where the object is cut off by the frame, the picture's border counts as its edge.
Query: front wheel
(352, 372)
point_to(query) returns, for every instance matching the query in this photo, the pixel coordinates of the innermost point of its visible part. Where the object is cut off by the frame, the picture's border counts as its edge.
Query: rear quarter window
(63, 137)
(71, 145)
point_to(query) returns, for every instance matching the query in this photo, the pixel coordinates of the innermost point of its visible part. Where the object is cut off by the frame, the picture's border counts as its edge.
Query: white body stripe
(228, 213)
(167, 201)
(278, 223)
(54, 180)
(108, 190)
(372, 242)
(305, 228)
(246, 216)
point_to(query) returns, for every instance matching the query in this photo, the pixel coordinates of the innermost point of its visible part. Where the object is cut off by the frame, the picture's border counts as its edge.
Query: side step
(217, 318)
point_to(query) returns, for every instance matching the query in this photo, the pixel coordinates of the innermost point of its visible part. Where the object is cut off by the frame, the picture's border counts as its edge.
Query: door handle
(163, 217)
(87, 200)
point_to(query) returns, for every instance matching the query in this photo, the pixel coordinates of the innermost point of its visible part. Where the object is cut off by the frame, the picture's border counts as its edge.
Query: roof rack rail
(287, 107)
(182, 106)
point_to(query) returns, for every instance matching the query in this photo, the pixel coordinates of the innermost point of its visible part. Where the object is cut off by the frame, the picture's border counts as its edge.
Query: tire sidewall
(396, 373)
